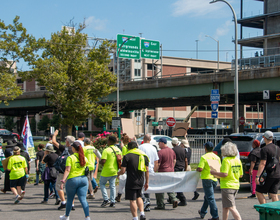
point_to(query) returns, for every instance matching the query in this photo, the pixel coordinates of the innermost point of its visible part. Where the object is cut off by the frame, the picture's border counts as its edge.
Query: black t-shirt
(267, 152)
(8, 152)
(255, 156)
(27, 158)
(40, 155)
(189, 154)
(181, 155)
(135, 177)
(50, 159)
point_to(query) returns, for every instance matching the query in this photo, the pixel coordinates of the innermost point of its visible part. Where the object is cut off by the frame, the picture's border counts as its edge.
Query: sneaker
(63, 217)
(104, 203)
(118, 198)
(52, 194)
(62, 206)
(44, 202)
(90, 196)
(252, 196)
(112, 205)
(57, 201)
(200, 215)
(142, 217)
(18, 197)
(175, 204)
(3, 191)
(35, 184)
(196, 195)
(22, 195)
(87, 218)
(147, 207)
(95, 190)
(73, 208)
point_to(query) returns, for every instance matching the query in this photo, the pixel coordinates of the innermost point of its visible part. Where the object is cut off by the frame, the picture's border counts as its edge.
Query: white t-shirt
(81, 142)
(151, 152)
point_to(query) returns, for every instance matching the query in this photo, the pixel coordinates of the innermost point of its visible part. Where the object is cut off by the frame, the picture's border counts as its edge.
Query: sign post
(215, 98)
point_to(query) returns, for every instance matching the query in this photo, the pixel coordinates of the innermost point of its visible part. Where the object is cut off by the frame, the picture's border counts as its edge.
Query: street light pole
(196, 49)
(218, 52)
(118, 79)
(235, 66)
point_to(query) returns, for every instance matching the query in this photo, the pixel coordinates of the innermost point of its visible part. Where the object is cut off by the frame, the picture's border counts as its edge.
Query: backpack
(60, 162)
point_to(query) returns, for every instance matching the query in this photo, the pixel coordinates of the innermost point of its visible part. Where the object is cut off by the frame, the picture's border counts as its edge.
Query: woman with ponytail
(77, 182)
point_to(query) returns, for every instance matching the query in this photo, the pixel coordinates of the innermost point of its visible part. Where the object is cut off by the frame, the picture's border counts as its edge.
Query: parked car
(8, 135)
(154, 139)
(244, 145)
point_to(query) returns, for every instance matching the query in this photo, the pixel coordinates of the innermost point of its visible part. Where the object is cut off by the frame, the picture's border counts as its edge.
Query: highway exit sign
(128, 46)
(150, 49)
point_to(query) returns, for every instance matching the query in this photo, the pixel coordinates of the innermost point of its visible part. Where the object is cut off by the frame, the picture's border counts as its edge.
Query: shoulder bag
(119, 158)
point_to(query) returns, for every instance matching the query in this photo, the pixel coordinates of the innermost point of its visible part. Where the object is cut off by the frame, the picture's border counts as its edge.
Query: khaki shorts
(58, 181)
(228, 197)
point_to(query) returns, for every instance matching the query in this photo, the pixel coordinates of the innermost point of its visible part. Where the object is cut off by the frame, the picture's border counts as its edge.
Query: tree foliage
(15, 45)
(55, 121)
(74, 78)
(9, 123)
(44, 124)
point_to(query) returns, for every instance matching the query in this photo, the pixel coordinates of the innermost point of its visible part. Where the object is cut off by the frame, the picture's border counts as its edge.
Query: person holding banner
(209, 182)
(135, 163)
(166, 162)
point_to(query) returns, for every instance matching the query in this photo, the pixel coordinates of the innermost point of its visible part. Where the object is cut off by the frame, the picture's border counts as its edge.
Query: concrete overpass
(196, 89)
(185, 90)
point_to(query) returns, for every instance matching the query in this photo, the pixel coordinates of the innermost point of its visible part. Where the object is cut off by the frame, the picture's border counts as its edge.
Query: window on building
(137, 72)
(137, 61)
(137, 113)
(150, 67)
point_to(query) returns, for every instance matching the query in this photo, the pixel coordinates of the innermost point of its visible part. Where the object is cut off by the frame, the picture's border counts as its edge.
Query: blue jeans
(94, 183)
(77, 185)
(102, 181)
(209, 199)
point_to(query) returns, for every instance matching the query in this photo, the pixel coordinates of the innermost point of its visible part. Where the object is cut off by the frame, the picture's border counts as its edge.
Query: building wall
(273, 6)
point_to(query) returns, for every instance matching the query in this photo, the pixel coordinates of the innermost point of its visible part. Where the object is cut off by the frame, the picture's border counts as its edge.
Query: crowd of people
(73, 167)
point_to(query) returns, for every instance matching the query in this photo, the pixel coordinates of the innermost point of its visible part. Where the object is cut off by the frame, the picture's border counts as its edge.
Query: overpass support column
(271, 114)
(241, 114)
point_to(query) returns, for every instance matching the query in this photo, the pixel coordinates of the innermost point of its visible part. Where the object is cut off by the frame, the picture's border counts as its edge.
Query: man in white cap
(272, 181)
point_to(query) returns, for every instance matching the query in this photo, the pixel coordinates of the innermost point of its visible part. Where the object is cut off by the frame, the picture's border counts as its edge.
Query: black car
(244, 145)
(8, 135)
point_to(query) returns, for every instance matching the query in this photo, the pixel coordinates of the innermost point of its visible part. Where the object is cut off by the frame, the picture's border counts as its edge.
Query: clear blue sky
(177, 24)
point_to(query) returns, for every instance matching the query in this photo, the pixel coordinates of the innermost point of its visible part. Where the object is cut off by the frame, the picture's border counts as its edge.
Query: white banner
(173, 182)
(28, 139)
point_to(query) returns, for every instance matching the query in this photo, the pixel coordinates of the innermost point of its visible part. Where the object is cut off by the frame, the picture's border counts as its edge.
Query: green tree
(44, 124)
(15, 45)
(76, 80)
(33, 125)
(9, 123)
(55, 121)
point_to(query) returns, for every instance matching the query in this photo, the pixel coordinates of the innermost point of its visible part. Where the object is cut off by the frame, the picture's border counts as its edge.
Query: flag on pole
(28, 139)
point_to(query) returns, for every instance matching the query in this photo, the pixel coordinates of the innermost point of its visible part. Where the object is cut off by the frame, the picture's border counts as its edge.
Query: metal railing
(257, 62)
(197, 141)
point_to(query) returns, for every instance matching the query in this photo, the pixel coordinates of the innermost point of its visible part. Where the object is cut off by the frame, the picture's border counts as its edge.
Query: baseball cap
(268, 135)
(81, 135)
(209, 144)
(175, 140)
(163, 140)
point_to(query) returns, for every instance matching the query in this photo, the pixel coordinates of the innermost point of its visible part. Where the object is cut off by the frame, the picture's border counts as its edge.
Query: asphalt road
(31, 209)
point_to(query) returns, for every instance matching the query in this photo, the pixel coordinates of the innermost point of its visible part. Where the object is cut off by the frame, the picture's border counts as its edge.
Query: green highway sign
(154, 123)
(150, 49)
(131, 47)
